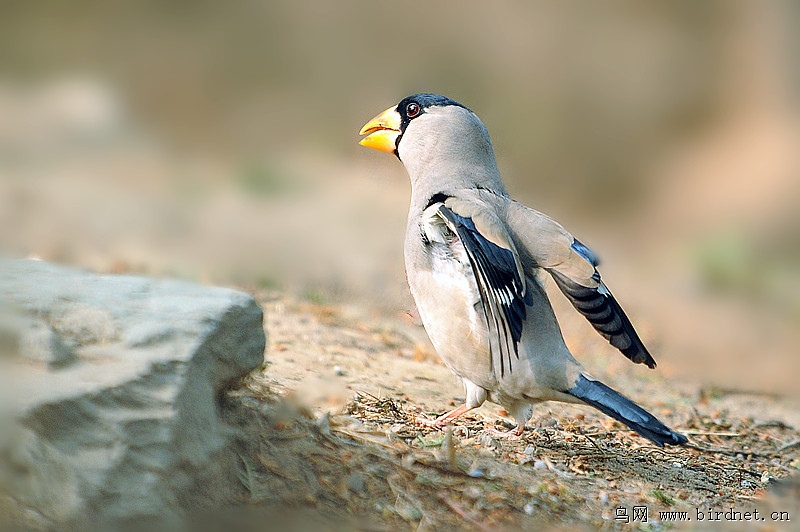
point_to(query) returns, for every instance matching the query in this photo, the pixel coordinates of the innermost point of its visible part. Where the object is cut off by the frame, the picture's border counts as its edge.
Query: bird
(475, 264)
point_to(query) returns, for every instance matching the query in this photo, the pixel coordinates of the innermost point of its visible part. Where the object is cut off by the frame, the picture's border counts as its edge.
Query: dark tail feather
(614, 404)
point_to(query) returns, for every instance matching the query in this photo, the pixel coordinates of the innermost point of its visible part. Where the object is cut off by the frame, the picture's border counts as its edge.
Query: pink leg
(444, 419)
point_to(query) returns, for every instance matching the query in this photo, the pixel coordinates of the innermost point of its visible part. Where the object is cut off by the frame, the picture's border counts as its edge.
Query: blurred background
(217, 141)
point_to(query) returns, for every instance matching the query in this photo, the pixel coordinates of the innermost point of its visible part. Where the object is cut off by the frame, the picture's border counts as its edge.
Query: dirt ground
(331, 442)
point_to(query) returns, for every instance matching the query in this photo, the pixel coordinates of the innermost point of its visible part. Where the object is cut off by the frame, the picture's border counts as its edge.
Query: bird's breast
(443, 285)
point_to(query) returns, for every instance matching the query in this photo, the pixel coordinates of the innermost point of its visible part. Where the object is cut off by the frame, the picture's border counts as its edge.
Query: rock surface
(110, 394)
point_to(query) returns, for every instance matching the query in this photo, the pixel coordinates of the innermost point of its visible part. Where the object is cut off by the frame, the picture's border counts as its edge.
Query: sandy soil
(335, 444)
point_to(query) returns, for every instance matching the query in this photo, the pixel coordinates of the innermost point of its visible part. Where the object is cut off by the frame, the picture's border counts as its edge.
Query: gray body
(474, 258)
(444, 286)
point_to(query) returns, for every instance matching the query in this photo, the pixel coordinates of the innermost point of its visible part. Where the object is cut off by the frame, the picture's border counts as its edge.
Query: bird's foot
(444, 419)
(431, 423)
(511, 434)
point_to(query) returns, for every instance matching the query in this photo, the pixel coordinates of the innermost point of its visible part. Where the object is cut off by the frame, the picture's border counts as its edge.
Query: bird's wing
(498, 274)
(573, 266)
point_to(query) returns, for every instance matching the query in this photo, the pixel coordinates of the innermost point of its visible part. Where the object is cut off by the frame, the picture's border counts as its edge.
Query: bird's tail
(616, 405)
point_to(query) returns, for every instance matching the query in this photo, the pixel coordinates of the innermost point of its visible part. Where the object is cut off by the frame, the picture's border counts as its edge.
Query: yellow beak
(382, 131)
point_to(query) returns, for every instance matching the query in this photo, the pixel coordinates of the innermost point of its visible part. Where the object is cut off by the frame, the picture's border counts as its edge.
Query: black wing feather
(502, 290)
(603, 311)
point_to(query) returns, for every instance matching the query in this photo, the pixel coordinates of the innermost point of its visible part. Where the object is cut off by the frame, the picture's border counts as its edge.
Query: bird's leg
(445, 418)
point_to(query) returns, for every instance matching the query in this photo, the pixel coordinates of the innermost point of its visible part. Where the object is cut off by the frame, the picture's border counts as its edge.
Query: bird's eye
(413, 109)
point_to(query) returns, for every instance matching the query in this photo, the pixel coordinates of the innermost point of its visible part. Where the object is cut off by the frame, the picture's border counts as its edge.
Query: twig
(697, 415)
(463, 513)
(789, 445)
(779, 424)
(717, 391)
(728, 452)
(367, 394)
(366, 438)
(591, 440)
(741, 470)
(449, 448)
(661, 451)
(710, 433)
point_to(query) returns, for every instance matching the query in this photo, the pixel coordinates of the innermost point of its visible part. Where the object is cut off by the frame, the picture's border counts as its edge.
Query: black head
(413, 106)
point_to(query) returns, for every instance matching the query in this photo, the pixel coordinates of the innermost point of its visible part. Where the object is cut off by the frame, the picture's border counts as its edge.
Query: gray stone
(109, 399)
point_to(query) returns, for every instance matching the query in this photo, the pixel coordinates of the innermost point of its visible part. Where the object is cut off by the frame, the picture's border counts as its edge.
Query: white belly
(447, 297)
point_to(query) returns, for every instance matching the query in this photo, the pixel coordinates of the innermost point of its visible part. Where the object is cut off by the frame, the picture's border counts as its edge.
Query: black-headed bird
(473, 257)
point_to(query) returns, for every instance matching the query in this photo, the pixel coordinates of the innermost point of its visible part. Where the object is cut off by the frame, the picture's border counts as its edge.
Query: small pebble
(529, 450)
(766, 478)
(338, 371)
(540, 464)
(475, 473)
(529, 508)
(355, 483)
(487, 441)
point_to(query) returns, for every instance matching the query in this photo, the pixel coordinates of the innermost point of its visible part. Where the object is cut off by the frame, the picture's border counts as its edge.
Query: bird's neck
(448, 167)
